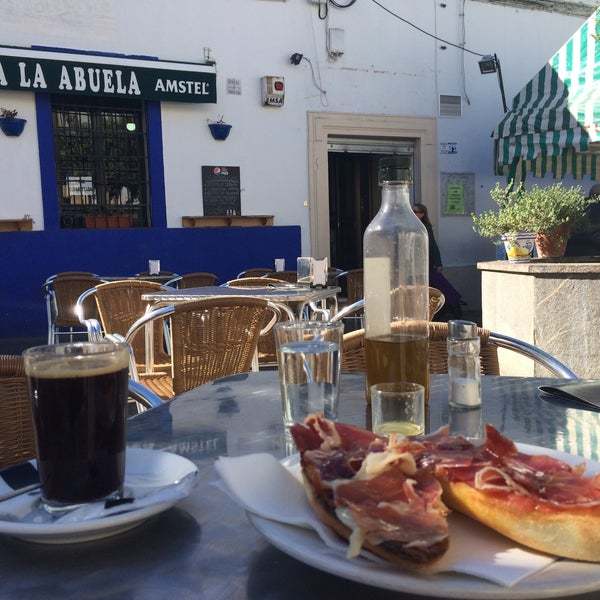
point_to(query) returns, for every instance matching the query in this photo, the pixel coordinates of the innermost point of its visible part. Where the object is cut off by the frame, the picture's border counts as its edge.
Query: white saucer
(146, 472)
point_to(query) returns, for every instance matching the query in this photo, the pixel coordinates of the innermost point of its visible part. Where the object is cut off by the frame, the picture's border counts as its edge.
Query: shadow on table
(273, 574)
(90, 569)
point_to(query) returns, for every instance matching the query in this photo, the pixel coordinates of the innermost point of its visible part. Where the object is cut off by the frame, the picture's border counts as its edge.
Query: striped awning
(556, 116)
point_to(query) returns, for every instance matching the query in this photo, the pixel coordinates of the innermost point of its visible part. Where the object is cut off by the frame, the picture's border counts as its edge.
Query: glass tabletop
(205, 547)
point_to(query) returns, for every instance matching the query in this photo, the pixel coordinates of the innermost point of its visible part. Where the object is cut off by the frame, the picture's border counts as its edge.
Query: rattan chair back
(210, 338)
(256, 272)
(353, 352)
(355, 285)
(255, 282)
(17, 438)
(120, 304)
(67, 288)
(197, 279)
(289, 276)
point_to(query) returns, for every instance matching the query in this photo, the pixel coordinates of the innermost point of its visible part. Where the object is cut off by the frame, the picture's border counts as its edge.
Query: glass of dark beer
(79, 397)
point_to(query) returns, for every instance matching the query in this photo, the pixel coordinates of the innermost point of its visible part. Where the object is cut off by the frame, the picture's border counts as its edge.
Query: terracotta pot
(101, 222)
(553, 243)
(90, 222)
(124, 221)
(112, 221)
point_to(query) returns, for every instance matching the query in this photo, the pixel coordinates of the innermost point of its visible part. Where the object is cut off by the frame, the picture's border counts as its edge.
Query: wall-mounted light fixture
(490, 63)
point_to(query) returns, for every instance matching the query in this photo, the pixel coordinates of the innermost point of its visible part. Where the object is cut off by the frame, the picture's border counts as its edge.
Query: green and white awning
(556, 116)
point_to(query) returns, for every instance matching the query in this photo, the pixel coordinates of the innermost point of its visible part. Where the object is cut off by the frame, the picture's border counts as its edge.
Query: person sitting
(453, 306)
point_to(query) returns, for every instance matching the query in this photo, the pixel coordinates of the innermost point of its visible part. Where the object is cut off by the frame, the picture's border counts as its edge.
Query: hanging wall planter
(10, 124)
(219, 129)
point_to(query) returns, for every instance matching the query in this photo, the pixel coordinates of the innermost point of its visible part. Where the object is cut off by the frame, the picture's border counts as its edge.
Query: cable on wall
(423, 31)
(463, 42)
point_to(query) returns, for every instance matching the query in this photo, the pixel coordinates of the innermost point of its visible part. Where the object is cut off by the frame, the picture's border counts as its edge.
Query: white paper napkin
(263, 486)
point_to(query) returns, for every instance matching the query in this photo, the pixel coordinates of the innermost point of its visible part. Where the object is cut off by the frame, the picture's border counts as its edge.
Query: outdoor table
(297, 296)
(153, 278)
(205, 547)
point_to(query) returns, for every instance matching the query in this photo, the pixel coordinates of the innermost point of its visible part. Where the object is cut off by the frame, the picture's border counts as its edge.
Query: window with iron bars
(101, 162)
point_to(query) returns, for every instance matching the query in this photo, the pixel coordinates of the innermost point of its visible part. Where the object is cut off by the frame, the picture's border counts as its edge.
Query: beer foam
(84, 365)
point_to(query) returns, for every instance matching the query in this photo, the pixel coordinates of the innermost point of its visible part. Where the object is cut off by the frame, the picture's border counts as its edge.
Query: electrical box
(273, 90)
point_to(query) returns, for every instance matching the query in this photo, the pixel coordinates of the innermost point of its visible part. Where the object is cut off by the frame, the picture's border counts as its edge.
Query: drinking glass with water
(308, 354)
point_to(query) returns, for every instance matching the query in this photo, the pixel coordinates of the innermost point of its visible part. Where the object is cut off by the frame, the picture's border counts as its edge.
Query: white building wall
(387, 68)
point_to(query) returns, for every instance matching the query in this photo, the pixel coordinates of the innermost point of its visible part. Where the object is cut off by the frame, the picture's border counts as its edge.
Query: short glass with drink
(398, 408)
(308, 354)
(79, 398)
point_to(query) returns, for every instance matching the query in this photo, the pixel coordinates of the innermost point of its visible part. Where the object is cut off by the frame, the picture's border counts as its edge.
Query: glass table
(296, 296)
(206, 548)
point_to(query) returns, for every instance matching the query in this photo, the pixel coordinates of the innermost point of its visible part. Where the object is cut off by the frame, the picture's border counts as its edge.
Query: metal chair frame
(52, 305)
(501, 341)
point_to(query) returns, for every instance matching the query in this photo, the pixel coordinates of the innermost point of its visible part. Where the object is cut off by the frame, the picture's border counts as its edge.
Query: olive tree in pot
(552, 212)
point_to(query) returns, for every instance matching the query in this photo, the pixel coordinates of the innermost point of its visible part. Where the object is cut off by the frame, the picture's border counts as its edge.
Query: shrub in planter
(550, 212)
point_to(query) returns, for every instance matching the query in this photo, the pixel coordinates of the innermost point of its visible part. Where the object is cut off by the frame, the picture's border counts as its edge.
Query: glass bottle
(396, 284)
(464, 380)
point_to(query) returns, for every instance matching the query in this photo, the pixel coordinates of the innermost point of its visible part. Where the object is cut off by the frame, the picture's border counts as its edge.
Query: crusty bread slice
(415, 559)
(570, 533)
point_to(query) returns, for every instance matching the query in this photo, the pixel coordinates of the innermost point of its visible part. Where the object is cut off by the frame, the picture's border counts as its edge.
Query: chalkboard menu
(221, 190)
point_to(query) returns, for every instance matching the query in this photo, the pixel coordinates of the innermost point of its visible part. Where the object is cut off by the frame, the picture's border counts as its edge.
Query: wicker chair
(209, 338)
(17, 438)
(266, 345)
(353, 352)
(289, 276)
(62, 291)
(193, 280)
(120, 304)
(257, 272)
(255, 282)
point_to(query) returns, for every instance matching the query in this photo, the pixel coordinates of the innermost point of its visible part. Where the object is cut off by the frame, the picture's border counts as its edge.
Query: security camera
(296, 58)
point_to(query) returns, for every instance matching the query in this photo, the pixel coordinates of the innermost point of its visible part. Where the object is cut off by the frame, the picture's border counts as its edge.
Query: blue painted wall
(28, 258)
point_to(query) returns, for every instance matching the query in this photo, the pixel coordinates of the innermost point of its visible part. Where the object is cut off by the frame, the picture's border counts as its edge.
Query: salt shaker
(464, 380)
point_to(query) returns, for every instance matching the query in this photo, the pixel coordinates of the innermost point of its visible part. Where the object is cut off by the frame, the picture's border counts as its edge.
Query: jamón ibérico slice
(392, 507)
(318, 432)
(498, 467)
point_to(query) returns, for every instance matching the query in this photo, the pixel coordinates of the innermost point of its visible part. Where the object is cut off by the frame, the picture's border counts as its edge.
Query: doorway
(355, 193)
(326, 128)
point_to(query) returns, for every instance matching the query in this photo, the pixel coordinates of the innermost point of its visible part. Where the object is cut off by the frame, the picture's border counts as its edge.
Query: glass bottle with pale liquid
(396, 284)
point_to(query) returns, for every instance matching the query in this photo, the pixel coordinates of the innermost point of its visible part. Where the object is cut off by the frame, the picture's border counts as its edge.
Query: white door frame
(322, 125)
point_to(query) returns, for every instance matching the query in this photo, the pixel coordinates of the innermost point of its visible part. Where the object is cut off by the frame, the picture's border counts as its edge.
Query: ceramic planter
(519, 246)
(219, 131)
(553, 244)
(12, 127)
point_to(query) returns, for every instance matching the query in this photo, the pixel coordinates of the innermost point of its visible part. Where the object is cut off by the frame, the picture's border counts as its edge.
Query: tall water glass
(308, 354)
(79, 399)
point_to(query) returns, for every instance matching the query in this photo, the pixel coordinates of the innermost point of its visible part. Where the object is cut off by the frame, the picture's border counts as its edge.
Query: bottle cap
(462, 330)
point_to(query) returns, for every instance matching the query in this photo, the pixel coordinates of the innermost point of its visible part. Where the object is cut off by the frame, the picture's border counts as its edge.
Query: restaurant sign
(115, 77)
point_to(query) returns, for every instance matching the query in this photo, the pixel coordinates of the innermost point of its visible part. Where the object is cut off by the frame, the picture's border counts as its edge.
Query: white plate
(562, 578)
(145, 469)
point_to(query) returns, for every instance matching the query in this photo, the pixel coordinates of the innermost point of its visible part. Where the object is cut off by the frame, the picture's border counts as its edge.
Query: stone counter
(551, 303)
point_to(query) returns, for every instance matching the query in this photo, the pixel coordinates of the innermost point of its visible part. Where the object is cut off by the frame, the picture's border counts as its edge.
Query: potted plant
(552, 212)
(219, 129)
(10, 124)
(505, 223)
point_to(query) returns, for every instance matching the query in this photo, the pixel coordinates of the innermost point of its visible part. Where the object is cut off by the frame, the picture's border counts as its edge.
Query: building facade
(385, 88)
